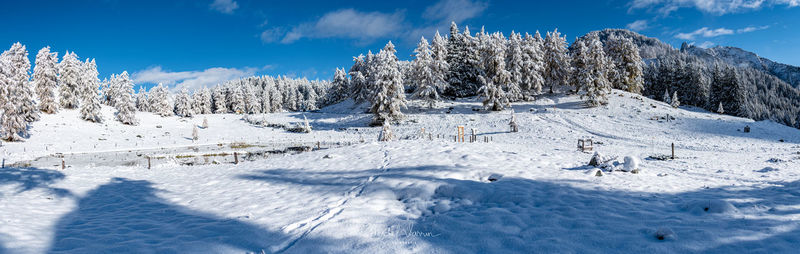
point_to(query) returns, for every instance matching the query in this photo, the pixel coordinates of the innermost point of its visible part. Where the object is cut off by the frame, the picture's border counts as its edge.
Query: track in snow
(305, 227)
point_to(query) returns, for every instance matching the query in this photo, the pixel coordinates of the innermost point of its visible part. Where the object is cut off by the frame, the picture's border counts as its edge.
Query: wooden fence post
(63, 165)
(148, 162)
(235, 158)
(673, 151)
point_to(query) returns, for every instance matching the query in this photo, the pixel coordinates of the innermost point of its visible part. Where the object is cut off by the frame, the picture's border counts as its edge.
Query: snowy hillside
(526, 191)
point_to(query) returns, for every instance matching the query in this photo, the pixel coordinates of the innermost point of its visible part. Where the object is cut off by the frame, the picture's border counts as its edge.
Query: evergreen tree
(201, 101)
(159, 101)
(89, 92)
(720, 110)
(389, 96)
(266, 96)
(69, 75)
(515, 64)
(110, 87)
(675, 102)
(497, 77)
(727, 89)
(463, 56)
(533, 64)
(236, 99)
(220, 103)
(183, 104)
(13, 81)
(556, 60)
(422, 74)
(142, 104)
(252, 103)
(123, 100)
(45, 80)
(18, 57)
(666, 98)
(579, 57)
(439, 65)
(340, 86)
(596, 82)
(358, 83)
(627, 64)
(276, 98)
(309, 98)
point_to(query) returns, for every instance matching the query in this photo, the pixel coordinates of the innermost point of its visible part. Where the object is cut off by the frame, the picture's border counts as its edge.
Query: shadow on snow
(555, 216)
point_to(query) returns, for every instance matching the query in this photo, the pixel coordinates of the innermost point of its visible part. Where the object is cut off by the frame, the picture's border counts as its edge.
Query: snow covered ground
(727, 190)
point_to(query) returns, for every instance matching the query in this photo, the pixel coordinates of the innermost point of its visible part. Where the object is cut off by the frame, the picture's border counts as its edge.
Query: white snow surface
(726, 192)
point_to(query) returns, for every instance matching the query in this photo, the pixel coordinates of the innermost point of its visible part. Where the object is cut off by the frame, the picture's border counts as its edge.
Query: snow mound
(631, 163)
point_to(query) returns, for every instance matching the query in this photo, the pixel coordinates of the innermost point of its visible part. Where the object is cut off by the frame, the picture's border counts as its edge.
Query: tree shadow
(524, 215)
(127, 216)
(33, 178)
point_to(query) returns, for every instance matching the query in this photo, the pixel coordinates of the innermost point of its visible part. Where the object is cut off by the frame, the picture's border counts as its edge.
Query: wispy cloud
(367, 26)
(638, 25)
(751, 28)
(454, 10)
(716, 7)
(224, 6)
(348, 23)
(192, 79)
(706, 32)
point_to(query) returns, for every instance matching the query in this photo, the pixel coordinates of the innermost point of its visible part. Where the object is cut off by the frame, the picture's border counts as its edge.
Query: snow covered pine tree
(45, 80)
(126, 108)
(389, 96)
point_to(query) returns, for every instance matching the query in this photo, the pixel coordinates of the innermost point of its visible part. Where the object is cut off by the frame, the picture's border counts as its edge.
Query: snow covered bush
(386, 133)
(674, 102)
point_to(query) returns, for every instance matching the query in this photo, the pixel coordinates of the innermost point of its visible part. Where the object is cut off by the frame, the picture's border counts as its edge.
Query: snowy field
(727, 190)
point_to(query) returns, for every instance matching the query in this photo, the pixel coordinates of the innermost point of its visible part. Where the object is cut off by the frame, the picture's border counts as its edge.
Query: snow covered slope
(529, 191)
(739, 57)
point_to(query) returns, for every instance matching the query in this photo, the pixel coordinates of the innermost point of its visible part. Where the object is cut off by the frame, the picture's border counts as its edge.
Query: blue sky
(202, 42)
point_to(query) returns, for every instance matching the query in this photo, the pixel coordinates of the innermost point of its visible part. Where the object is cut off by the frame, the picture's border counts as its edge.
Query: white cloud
(348, 23)
(638, 25)
(368, 26)
(708, 33)
(224, 6)
(271, 35)
(454, 10)
(704, 32)
(717, 7)
(192, 79)
(751, 28)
